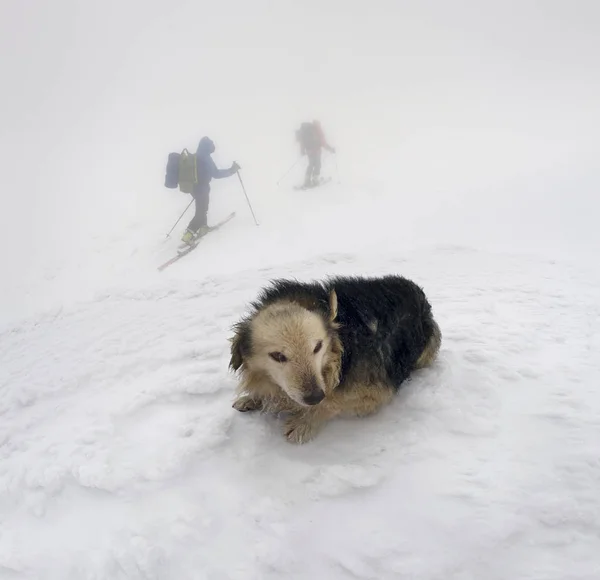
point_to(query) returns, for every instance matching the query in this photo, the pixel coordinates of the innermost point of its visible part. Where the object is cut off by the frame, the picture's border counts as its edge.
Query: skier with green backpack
(193, 173)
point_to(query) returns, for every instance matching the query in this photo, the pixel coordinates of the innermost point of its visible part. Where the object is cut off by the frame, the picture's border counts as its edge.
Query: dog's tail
(432, 347)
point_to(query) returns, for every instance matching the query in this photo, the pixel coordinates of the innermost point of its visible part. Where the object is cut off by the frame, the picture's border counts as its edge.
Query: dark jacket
(206, 168)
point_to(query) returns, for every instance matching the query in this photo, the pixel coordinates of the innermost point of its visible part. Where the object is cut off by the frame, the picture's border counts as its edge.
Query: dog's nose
(315, 397)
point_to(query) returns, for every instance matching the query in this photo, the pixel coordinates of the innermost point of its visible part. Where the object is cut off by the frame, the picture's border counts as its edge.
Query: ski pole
(244, 189)
(292, 167)
(188, 207)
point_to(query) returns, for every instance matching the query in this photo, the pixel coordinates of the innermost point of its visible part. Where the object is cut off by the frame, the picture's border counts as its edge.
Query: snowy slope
(121, 456)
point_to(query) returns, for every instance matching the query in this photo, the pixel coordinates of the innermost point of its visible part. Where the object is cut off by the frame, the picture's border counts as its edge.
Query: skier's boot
(202, 231)
(188, 237)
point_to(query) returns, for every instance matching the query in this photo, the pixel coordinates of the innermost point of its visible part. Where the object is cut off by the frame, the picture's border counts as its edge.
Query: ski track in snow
(121, 457)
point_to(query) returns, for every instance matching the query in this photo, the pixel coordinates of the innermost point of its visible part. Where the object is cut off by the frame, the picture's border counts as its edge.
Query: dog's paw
(299, 430)
(247, 403)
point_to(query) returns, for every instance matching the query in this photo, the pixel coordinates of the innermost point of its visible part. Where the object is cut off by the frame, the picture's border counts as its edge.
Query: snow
(122, 458)
(472, 170)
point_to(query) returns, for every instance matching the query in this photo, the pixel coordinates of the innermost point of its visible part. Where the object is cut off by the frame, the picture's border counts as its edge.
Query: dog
(341, 347)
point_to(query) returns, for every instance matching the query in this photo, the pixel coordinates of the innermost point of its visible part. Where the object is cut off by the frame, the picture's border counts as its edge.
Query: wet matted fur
(320, 349)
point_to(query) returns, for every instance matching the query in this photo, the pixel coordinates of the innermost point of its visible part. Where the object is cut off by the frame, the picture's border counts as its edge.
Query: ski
(186, 249)
(319, 184)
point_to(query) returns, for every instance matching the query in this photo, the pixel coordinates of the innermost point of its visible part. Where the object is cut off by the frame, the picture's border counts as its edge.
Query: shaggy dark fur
(385, 323)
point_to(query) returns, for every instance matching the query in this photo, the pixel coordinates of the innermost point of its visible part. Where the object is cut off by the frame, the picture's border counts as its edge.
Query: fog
(432, 104)
(467, 161)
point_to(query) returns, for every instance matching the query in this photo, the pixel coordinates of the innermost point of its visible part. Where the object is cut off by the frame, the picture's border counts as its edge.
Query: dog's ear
(333, 305)
(240, 345)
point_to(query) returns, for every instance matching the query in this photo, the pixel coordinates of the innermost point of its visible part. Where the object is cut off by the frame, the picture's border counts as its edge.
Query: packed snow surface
(121, 456)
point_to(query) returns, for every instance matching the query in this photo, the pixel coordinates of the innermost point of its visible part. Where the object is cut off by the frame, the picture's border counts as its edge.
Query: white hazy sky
(95, 94)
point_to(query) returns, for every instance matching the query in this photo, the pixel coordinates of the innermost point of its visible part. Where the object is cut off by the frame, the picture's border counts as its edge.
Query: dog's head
(292, 345)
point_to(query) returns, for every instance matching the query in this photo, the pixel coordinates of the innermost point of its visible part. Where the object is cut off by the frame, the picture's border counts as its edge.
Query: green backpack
(188, 175)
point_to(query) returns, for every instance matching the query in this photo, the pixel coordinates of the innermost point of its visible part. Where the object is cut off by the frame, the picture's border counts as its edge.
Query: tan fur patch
(356, 399)
(431, 349)
(290, 345)
(333, 306)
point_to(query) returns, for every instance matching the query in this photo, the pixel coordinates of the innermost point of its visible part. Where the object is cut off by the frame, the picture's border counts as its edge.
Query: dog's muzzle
(314, 395)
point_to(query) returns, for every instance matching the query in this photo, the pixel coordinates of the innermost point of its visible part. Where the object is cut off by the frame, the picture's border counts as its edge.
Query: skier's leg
(203, 201)
(189, 233)
(196, 221)
(309, 170)
(198, 224)
(317, 166)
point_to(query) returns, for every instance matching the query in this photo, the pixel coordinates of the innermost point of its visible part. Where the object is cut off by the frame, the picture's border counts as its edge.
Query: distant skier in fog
(312, 140)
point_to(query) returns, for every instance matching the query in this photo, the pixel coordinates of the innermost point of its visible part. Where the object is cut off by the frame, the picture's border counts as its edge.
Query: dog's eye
(318, 347)
(278, 357)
